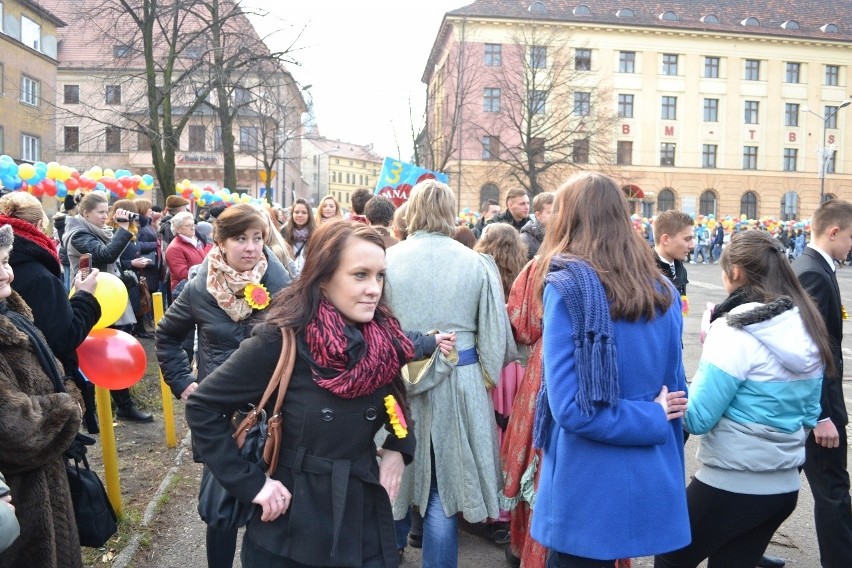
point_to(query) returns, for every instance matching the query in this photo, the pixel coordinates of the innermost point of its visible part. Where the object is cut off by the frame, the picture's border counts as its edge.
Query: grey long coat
(434, 282)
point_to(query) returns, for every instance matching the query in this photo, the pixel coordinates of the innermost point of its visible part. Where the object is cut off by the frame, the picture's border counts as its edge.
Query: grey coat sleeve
(9, 528)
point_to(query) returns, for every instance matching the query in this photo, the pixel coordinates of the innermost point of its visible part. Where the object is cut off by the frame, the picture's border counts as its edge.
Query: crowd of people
(525, 373)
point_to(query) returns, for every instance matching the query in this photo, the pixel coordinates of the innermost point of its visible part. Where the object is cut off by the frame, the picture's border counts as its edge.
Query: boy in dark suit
(825, 449)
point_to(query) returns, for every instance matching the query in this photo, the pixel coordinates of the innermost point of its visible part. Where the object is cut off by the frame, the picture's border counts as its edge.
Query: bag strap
(280, 378)
(272, 448)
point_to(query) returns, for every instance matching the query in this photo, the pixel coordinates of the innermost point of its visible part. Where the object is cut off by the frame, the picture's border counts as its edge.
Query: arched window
(625, 13)
(489, 191)
(790, 25)
(665, 200)
(710, 19)
(830, 29)
(748, 205)
(582, 10)
(789, 206)
(669, 15)
(537, 8)
(750, 21)
(707, 203)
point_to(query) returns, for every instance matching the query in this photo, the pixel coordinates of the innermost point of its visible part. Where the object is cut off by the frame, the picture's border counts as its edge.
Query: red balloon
(72, 183)
(49, 186)
(112, 359)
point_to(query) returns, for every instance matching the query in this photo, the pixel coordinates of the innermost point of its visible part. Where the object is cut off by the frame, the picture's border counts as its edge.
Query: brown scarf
(226, 285)
(354, 360)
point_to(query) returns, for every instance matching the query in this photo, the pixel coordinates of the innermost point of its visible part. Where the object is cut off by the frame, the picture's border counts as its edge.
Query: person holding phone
(64, 322)
(88, 232)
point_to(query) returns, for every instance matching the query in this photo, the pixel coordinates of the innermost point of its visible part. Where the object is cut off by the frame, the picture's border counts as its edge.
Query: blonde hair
(338, 215)
(504, 244)
(431, 208)
(127, 205)
(400, 225)
(274, 239)
(24, 206)
(90, 201)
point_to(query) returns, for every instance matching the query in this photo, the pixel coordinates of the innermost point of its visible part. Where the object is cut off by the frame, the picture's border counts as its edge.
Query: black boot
(126, 408)
(140, 331)
(771, 562)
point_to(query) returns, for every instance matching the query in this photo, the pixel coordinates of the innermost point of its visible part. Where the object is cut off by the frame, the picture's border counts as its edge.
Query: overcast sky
(363, 60)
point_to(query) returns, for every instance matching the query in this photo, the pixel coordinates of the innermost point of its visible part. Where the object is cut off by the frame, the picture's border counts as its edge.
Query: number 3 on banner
(393, 175)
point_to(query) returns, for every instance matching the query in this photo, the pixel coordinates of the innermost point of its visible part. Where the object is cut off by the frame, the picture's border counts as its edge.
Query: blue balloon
(148, 179)
(100, 187)
(41, 168)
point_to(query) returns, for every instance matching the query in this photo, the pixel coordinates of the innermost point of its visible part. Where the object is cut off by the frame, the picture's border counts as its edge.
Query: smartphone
(85, 264)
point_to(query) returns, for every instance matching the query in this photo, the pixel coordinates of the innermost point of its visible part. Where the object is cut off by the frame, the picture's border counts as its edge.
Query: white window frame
(26, 33)
(30, 147)
(30, 90)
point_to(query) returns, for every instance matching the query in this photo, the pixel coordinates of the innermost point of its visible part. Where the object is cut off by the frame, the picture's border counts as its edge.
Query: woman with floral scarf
(224, 300)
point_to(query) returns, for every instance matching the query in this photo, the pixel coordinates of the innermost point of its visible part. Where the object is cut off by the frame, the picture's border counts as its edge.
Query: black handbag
(96, 521)
(258, 438)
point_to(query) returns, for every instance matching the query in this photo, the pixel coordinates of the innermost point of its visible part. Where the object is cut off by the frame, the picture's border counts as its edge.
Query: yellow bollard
(113, 484)
(168, 404)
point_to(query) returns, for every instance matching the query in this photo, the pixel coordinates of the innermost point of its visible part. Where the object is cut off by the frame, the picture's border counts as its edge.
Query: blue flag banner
(397, 178)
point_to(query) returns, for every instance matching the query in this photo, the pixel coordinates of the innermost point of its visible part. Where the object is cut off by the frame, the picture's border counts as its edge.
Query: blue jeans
(402, 528)
(440, 533)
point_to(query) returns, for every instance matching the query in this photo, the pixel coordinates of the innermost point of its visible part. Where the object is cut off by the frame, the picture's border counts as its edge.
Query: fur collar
(10, 335)
(761, 313)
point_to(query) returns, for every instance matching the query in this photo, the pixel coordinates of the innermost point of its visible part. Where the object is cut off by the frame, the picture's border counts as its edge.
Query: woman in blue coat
(608, 418)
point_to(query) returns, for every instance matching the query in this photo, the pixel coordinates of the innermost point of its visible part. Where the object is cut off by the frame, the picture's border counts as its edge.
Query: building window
(143, 143)
(752, 70)
(790, 157)
(711, 67)
(830, 114)
(113, 94)
(707, 203)
(493, 54)
(71, 94)
(113, 139)
(790, 206)
(669, 64)
(197, 138)
(248, 139)
(791, 114)
(583, 59)
(30, 148)
(625, 106)
(708, 156)
(580, 151)
(29, 90)
(829, 164)
(832, 75)
(711, 110)
(749, 157)
(72, 138)
(217, 141)
(665, 200)
(491, 100)
(582, 103)
(538, 57)
(490, 147)
(627, 62)
(792, 73)
(30, 33)
(489, 191)
(669, 108)
(748, 205)
(121, 50)
(751, 110)
(537, 101)
(667, 154)
(624, 153)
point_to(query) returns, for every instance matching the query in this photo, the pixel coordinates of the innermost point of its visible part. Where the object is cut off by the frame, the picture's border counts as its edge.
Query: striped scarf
(352, 361)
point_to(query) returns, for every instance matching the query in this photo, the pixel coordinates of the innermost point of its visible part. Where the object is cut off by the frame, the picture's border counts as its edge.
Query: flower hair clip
(257, 296)
(397, 418)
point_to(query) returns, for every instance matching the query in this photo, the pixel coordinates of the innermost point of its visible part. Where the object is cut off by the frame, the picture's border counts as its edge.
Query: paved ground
(175, 535)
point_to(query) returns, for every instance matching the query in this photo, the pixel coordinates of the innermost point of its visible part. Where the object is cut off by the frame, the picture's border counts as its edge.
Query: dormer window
(537, 8)
(121, 50)
(625, 13)
(582, 10)
(669, 16)
(710, 19)
(751, 21)
(790, 25)
(829, 29)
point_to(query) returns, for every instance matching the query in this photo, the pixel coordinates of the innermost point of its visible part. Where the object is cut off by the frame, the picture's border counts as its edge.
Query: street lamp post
(823, 152)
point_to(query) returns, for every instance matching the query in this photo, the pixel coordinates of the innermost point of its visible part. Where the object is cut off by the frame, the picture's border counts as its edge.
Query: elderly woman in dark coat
(38, 422)
(64, 323)
(216, 301)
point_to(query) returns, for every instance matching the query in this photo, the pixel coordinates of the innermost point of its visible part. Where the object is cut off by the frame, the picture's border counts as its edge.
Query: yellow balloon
(111, 294)
(108, 173)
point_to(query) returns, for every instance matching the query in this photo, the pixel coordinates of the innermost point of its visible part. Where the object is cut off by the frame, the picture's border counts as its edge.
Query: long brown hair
(293, 307)
(127, 205)
(764, 268)
(504, 243)
(590, 220)
(290, 226)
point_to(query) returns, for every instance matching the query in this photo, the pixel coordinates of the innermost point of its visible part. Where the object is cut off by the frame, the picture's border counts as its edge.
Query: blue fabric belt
(468, 357)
